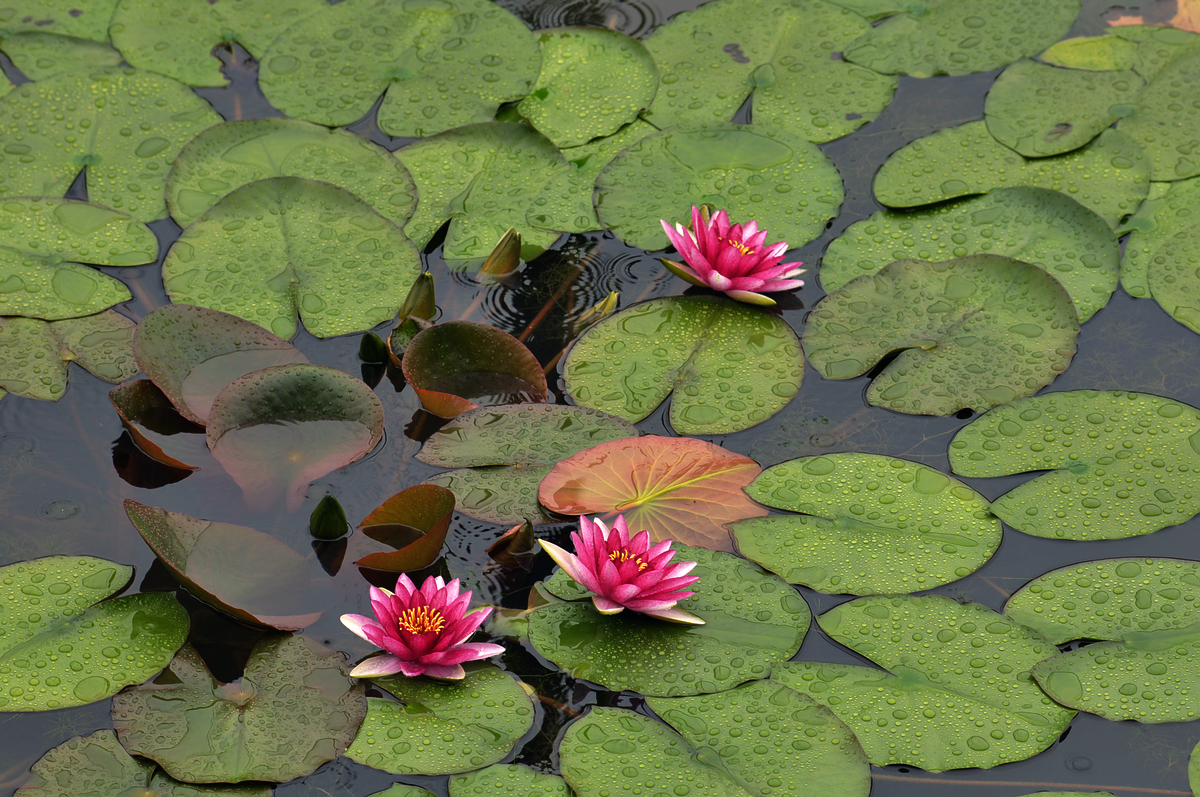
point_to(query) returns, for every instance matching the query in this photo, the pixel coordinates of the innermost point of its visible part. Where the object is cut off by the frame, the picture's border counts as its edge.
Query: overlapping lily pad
(956, 692)
(413, 523)
(34, 354)
(59, 16)
(1173, 278)
(293, 709)
(508, 780)
(136, 123)
(972, 333)
(728, 366)
(443, 727)
(1096, 53)
(59, 647)
(784, 54)
(1121, 464)
(154, 424)
(753, 621)
(768, 174)
(1157, 222)
(1166, 120)
(441, 64)
(871, 524)
(41, 55)
(403, 790)
(1157, 46)
(1036, 225)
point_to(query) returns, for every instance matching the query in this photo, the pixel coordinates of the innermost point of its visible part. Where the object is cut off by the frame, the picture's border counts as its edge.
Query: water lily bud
(505, 258)
(372, 349)
(421, 301)
(328, 520)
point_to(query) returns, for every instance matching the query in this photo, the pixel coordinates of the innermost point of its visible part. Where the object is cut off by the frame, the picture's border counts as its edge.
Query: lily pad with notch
(40, 55)
(1159, 221)
(34, 354)
(154, 424)
(508, 780)
(411, 526)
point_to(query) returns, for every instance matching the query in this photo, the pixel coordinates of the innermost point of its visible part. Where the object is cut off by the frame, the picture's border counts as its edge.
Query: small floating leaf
(415, 522)
(150, 418)
(1158, 222)
(34, 354)
(508, 780)
(41, 55)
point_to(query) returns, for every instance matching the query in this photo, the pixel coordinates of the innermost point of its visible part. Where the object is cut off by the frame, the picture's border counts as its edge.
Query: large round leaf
(508, 780)
(229, 155)
(729, 366)
(136, 123)
(442, 64)
(293, 709)
(1036, 225)
(1121, 464)
(1166, 122)
(753, 621)
(756, 172)
(34, 355)
(41, 55)
(957, 692)
(58, 650)
(870, 524)
(782, 53)
(1157, 223)
(1109, 176)
(443, 727)
(972, 332)
(1173, 275)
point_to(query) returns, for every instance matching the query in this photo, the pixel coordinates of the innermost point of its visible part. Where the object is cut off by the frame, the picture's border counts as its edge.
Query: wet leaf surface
(1157, 223)
(56, 16)
(1097, 53)
(1156, 46)
(152, 421)
(34, 354)
(1173, 279)
(41, 55)
(421, 512)
(1164, 123)
(511, 780)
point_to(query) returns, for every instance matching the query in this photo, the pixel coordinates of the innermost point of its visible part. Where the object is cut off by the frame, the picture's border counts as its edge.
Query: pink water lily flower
(626, 573)
(732, 259)
(422, 631)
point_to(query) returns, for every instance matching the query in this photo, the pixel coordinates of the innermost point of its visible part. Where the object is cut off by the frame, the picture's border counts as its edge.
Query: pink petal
(718, 281)
(750, 297)
(464, 652)
(356, 622)
(453, 672)
(377, 667)
(605, 606)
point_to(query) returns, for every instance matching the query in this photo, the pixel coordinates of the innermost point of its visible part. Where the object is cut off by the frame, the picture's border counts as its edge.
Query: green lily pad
(1157, 46)
(972, 332)
(1121, 464)
(753, 621)
(871, 524)
(949, 37)
(44, 242)
(783, 53)
(403, 790)
(1109, 176)
(59, 16)
(443, 727)
(34, 354)
(771, 740)
(1039, 226)
(1097, 53)
(1156, 223)
(873, 9)
(728, 366)
(771, 175)
(286, 247)
(1173, 279)
(442, 64)
(41, 55)
(956, 692)
(502, 453)
(1165, 121)
(293, 709)
(177, 39)
(229, 155)
(60, 648)
(513, 780)
(126, 170)
(1194, 770)
(592, 82)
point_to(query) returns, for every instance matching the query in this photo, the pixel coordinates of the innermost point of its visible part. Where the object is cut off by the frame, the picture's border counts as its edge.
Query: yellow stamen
(741, 247)
(622, 555)
(421, 620)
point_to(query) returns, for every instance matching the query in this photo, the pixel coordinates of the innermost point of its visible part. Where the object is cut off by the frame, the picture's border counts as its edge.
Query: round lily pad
(442, 64)
(229, 155)
(1097, 53)
(1166, 120)
(1158, 222)
(1120, 464)
(34, 354)
(65, 17)
(1109, 176)
(443, 727)
(508, 780)
(286, 247)
(1173, 278)
(41, 55)
(753, 620)
(1037, 225)
(136, 123)
(870, 524)
(771, 175)
(1194, 769)
(955, 690)
(727, 366)
(972, 332)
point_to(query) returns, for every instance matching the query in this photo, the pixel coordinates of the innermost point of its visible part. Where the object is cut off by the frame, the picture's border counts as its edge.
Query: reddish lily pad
(149, 416)
(413, 521)
(674, 487)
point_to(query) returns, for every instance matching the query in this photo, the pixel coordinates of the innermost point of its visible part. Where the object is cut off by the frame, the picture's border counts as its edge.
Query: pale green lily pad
(1173, 278)
(771, 741)
(511, 780)
(286, 248)
(1041, 110)
(229, 155)
(1166, 120)
(292, 710)
(60, 17)
(592, 82)
(1156, 223)
(612, 750)
(1121, 464)
(442, 64)
(1109, 176)
(873, 9)
(60, 648)
(1157, 46)
(483, 178)
(728, 366)
(753, 621)
(1036, 225)
(950, 37)
(754, 172)
(34, 354)
(1096, 53)
(956, 692)
(502, 453)
(785, 54)
(136, 123)
(41, 55)
(972, 333)
(443, 727)
(1194, 770)
(871, 524)
(44, 242)
(176, 39)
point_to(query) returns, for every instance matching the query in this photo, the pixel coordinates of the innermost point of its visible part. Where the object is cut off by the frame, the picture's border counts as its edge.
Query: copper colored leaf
(422, 512)
(146, 413)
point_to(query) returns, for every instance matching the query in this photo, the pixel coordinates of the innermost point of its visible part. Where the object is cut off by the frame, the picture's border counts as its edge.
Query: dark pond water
(66, 467)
